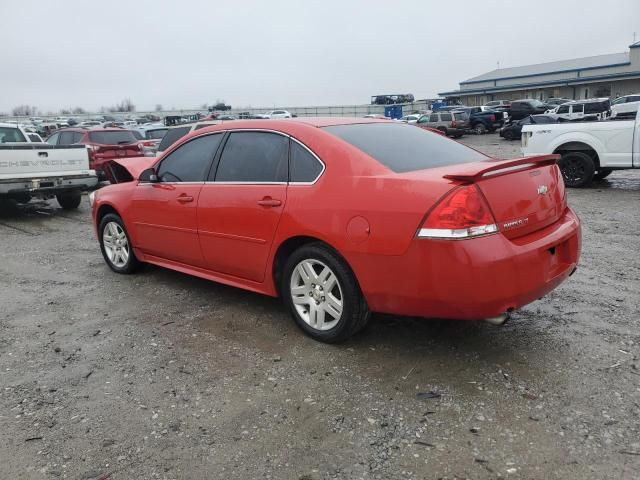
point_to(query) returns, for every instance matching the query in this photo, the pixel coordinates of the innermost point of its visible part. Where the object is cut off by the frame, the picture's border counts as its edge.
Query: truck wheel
(602, 173)
(577, 169)
(69, 201)
(322, 294)
(508, 135)
(116, 246)
(479, 129)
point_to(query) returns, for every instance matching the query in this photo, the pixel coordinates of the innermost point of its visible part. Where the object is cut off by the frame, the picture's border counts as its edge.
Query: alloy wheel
(116, 244)
(316, 294)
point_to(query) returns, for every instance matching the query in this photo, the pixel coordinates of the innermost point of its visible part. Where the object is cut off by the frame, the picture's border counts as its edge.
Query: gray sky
(283, 53)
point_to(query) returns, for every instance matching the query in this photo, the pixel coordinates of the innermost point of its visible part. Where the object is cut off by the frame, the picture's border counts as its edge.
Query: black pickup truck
(483, 121)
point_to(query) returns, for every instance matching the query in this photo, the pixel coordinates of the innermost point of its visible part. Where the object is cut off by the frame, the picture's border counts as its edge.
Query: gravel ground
(160, 375)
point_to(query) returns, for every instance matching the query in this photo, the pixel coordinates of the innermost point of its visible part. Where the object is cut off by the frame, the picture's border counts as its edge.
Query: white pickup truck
(29, 169)
(588, 150)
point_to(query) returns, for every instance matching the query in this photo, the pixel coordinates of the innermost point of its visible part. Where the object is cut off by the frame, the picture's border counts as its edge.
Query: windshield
(537, 103)
(404, 148)
(116, 137)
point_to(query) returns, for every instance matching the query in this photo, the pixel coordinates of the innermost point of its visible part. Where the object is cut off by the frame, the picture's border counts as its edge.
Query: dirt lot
(160, 375)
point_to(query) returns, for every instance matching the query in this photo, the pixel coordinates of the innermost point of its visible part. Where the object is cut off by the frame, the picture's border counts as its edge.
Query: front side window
(433, 118)
(620, 100)
(190, 162)
(256, 157)
(34, 138)
(303, 166)
(563, 109)
(76, 137)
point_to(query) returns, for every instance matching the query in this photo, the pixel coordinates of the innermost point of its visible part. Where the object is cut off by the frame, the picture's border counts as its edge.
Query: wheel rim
(479, 129)
(316, 294)
(116, 244)
(573, 170)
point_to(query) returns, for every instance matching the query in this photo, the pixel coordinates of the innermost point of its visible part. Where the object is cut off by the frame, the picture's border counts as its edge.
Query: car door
(164, 213)
(240, 206)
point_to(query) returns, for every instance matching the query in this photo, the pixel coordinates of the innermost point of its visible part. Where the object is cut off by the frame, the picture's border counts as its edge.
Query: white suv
(279, 114)
(625, 106)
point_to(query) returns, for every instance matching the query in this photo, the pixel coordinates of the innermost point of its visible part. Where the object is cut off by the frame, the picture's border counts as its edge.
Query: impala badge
(542, 190)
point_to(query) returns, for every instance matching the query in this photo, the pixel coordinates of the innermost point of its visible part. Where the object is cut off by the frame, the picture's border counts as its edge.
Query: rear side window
(254, 157)
(445, 117)
(52, 140)
(114, 137)
(460, 116)
(76, 137)
(66, 138)
(303, 166)
(189, 162)
(433, 117)
(405, 148)
(172, 135)
(34, 138)
(8, 135)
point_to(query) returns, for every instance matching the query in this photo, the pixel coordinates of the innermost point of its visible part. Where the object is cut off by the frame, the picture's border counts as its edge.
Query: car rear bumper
(472, 279)
(47, 185)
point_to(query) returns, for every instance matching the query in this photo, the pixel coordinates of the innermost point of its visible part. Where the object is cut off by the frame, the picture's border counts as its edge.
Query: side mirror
(149, 175)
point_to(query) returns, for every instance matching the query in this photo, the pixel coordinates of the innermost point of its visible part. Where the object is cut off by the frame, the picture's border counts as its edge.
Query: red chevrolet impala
(342, 217)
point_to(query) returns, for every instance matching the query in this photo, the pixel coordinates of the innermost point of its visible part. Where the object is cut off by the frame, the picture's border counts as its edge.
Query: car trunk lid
(525, 194)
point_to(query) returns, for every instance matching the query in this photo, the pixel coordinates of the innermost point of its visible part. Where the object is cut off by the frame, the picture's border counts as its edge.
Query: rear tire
(479, 129)
(577, 169)
(602, 174)
(69, 201)
(116, 246)
(322, 294)
(508, 135)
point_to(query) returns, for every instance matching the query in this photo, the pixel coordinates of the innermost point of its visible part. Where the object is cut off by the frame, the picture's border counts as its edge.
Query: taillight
(463, 213)
(453, 124)
(493, 118)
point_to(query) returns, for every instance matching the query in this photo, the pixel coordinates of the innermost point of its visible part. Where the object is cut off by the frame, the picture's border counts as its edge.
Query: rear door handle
(185, 199)
(269, 202)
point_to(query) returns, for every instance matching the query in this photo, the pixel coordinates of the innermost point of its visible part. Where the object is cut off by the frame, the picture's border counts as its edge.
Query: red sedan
(342, 217)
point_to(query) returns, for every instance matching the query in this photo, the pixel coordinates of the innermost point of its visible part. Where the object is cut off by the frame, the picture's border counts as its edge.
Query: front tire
(322, 294)
(70, 200)
(577, 169)
(116, 246)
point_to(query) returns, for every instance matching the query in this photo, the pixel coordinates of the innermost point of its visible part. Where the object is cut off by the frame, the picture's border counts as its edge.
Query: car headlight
(92, 197)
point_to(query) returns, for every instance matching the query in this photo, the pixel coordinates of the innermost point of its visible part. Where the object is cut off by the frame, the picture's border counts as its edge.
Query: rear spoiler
(472, 172)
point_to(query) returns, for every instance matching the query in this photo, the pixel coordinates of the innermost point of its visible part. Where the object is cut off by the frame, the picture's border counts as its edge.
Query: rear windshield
(172, 135)
(156, 134)
(405, 148)
(112, 138)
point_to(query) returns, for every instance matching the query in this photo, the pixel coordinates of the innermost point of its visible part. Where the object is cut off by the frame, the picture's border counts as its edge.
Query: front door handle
(269, 202)
(185, 199)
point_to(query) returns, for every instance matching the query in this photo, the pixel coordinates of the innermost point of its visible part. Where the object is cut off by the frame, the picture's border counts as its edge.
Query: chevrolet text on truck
(30, 169)
(588, 150)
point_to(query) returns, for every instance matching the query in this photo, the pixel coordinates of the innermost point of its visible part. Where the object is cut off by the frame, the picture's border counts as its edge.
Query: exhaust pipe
(499, 320)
